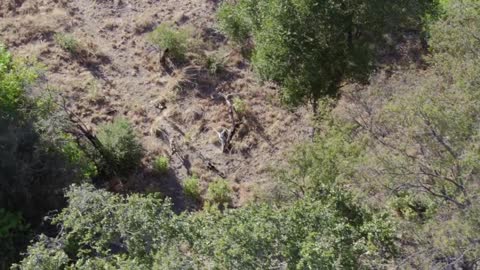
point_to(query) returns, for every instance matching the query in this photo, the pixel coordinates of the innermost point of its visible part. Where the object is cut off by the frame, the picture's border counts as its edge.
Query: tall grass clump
(168, 38)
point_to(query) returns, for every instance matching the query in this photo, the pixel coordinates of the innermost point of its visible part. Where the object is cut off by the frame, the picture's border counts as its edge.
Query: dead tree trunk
(226, 136)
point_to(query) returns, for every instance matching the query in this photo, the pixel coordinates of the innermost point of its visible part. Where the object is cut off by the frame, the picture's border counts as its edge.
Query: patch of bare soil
(178, 113)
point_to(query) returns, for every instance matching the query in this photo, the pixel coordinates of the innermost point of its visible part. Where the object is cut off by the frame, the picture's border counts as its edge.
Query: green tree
(219, 192)
(37, 159)
(311, 47)
(105, 229)
(318, 168)
(422, 133)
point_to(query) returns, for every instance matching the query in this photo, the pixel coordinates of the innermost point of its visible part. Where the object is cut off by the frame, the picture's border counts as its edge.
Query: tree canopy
(311, 47)
(104, 230)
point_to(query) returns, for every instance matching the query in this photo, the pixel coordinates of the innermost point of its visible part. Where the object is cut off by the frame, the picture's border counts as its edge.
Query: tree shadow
(257, 128)
(94, 66)
(147, 180)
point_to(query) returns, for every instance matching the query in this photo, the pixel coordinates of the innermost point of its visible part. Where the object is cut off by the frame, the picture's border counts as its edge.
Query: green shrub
(15, 76)
(235, 20)
(240, 105)
(191, 188)
(94, 91)
(75, 155)
(166, 37)
(122, 150)
(214, 64)
(49, 257)
(67, 42)
(14, 232)
(161, 164)
(219, 192)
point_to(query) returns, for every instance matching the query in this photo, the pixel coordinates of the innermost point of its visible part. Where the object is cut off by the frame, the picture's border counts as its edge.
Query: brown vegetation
(116, 72)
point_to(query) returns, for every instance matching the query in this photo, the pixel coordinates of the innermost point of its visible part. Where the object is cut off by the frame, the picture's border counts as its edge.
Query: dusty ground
(120, 76)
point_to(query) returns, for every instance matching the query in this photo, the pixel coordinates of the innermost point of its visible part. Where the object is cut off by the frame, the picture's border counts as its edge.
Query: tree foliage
(101, 228)
(15, 77)
(37, 160)
(14, 232)
(409, 144)
(122, 151)
(311, 47)
(423, 157)
(174, 41)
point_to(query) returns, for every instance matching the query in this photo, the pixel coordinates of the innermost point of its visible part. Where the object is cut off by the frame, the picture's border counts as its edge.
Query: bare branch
(226, 135)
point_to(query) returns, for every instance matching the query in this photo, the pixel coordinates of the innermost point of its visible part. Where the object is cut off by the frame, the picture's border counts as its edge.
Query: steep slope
(177, 113)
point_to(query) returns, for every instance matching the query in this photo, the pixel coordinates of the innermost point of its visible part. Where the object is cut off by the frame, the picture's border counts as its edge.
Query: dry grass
(117, 73)
(29, 28)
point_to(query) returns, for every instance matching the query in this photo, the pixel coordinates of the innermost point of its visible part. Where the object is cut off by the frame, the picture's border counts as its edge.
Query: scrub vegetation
(387, 178)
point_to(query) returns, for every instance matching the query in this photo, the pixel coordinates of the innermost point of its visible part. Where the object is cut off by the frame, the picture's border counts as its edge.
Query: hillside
(239, 134)
(119, 75)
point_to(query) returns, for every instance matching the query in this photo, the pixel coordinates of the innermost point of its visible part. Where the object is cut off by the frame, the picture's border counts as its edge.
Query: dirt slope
(120, 75)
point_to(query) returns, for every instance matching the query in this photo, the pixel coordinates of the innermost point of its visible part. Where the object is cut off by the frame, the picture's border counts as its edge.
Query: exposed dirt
(119, 75)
